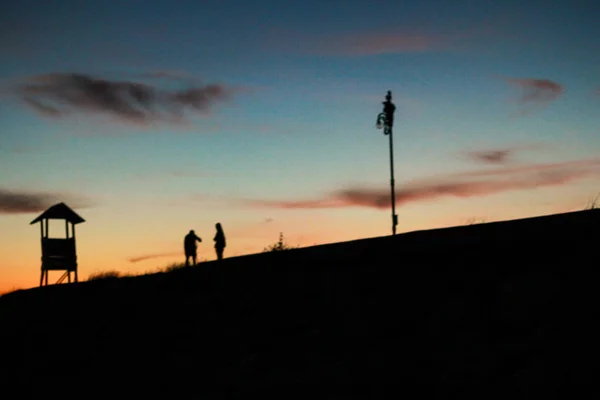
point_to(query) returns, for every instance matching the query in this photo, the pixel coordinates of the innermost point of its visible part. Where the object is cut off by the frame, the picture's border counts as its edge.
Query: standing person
(219, 241)
(189, 245)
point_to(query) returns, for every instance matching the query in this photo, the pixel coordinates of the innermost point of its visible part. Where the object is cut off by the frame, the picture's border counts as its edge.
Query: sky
(153, 118)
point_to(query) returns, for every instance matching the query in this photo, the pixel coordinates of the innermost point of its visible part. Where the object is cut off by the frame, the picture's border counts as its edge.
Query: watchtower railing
(59, 254)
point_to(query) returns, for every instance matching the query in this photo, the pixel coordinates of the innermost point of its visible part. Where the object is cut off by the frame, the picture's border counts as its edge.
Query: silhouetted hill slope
(510, 305)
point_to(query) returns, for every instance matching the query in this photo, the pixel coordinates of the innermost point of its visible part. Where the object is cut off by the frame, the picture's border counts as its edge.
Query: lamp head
(380, 121)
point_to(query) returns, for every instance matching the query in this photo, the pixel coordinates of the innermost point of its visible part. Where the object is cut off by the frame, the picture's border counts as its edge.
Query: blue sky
(302, 83)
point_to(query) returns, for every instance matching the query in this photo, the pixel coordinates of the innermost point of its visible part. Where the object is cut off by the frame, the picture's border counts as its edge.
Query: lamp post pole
(385, 120)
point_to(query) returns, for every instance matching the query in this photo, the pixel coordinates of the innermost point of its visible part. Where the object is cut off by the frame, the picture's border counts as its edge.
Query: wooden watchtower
(58, 254)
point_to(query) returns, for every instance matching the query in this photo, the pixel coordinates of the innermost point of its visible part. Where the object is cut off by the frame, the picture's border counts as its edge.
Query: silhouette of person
(219, 241)
(189, 245)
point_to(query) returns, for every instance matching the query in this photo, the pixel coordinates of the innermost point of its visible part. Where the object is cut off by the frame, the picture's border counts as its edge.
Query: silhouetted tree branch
(593, 203)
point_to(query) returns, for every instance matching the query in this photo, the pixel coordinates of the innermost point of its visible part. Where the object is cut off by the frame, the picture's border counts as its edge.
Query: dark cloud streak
(20, 202)
(536, 93)
(497, 156)
(492, 156)
(535, 90)
(152, 256)
(465, 185)
(62, 94)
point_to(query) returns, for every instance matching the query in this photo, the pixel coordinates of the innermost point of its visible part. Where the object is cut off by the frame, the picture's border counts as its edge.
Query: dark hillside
(509, 306)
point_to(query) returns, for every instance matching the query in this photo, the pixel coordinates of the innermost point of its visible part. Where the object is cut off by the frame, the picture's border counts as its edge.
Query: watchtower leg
(69, 276)
(76, 279)
(42, 278)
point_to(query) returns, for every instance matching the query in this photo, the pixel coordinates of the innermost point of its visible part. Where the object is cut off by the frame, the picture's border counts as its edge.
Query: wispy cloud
(535, 90)
(65, 94)
(21, 202)
(358, 44)
(536, 93)
(463, 185)
(497, 156)
(586, 165)
(146, 257)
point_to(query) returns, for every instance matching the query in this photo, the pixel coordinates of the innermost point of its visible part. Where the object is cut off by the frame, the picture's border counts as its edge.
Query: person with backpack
(189, 245)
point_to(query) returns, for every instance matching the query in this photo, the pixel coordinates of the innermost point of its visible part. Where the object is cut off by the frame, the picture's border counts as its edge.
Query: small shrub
(475, 220)
(280, 245)
(178, 266)
(172, 267)
(104, 275)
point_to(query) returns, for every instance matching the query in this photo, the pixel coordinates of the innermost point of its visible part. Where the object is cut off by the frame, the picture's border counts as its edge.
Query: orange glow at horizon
(20, 267)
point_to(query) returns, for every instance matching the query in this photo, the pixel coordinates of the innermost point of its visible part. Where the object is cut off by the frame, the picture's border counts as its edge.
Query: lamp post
(385, 120)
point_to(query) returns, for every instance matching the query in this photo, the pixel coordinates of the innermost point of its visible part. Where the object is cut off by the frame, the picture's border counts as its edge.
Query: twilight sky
(151, 118)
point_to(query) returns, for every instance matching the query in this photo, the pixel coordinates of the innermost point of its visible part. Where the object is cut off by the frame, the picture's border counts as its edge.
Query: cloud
(497, 156)
(536, 93)
(586, 165)
(20, 202)
(372, 43)
(64, 94)
(537, 89)
(462, 185)
(152, 256)
(359, 44)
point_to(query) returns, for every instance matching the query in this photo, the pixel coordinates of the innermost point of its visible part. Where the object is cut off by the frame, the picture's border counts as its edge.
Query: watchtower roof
(59, 211)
